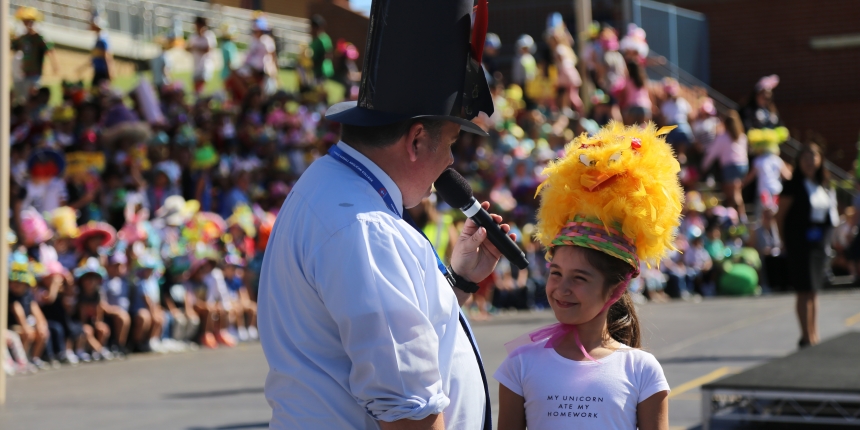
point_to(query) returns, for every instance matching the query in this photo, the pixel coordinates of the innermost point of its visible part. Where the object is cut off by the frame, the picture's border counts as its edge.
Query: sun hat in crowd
(526, 41)
(53, 267)
(201, 257)
(176, 211)
(97, 228)
(695, 202)
(205, 157)
(170, 169)
(234, 260)
(260, 24)
(46, 163)
(228, 31)
(763, 140)
(493, 41)
(767, 83)
(118, 257)
(635, 41)
(204, 227)
(186, 136)
(27, 13)
(148, 261)
(243, 217)
(34, 229)
(708, 106)
(91, 266)
(21, 272)
(64, 220)
(64, 113)
(159, 139)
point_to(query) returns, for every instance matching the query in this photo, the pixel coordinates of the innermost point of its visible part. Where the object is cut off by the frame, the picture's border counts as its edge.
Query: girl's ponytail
(622, 322)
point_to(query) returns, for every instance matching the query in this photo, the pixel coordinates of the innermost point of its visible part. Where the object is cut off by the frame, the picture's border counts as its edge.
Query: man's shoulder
(336, 196)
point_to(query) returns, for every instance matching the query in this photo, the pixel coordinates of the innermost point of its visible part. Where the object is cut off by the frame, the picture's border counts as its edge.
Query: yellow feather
(665, 130)
(644, 196)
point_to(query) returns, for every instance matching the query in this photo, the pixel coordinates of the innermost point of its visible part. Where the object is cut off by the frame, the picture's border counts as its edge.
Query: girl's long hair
(734, 125)
(621, 320)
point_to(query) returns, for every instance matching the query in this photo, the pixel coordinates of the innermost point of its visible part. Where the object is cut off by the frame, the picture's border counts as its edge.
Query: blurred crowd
(140, 219)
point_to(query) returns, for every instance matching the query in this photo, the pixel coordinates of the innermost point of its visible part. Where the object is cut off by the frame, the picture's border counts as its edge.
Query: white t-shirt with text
(561, 393)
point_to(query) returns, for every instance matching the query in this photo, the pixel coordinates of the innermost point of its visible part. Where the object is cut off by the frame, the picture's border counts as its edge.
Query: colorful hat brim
(106, 230)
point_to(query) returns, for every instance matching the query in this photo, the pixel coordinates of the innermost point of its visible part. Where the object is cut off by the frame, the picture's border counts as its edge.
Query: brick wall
(819, 91)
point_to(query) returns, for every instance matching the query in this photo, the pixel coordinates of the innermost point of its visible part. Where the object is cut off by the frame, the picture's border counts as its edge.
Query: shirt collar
(383, 177)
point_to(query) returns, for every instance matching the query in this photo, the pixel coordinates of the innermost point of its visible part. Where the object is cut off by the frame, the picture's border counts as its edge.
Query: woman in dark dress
(807, 214)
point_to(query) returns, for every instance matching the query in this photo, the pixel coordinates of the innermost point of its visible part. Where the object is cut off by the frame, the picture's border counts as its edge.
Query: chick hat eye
(615, 157)
(587, 161)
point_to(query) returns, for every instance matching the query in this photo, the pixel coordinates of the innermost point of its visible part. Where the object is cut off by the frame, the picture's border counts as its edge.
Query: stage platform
(817, 385)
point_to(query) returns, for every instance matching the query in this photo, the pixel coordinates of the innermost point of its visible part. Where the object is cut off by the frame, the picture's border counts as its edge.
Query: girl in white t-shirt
(587, 370)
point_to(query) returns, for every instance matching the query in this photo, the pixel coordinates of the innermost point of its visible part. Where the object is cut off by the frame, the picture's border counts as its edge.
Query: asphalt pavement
(696, 343)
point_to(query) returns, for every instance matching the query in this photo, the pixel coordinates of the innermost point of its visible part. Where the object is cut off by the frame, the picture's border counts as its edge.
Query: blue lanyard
(368, 176)
(362, 171)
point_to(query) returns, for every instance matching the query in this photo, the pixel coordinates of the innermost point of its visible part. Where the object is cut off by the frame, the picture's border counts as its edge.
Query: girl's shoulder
(637, 360)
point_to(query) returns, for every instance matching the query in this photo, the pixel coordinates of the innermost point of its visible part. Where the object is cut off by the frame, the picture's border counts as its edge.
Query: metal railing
(143, 20)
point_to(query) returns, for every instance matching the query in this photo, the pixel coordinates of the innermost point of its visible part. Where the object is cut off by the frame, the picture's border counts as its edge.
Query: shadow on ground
(715, 359)
(260, 425)
(219, 393)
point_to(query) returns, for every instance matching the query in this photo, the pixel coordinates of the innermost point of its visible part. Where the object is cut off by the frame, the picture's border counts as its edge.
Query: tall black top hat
(419, 63)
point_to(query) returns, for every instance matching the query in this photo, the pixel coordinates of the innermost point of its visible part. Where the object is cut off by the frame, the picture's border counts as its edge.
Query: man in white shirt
(200, 45)
(357, 318)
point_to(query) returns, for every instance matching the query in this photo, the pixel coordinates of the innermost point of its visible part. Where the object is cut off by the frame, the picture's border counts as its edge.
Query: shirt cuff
(414, 408)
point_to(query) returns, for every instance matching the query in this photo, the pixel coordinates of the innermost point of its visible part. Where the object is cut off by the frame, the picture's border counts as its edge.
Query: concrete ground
(695, 343)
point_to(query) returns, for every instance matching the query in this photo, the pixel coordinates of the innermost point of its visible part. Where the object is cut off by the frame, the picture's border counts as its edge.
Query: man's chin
(410, 205)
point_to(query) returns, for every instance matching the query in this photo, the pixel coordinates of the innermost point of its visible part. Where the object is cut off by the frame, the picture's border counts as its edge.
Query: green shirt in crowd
(322, 48)
(34, 48)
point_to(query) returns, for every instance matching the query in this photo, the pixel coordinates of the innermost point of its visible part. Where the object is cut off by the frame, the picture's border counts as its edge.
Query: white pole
(5, 100)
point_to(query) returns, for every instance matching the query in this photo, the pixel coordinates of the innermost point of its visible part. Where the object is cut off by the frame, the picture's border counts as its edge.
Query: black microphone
(457, 193)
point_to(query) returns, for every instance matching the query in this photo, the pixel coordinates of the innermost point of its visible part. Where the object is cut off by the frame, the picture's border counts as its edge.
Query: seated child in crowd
(174, 297)
(146, 306)
(115, 293)
(207, 301)
(25, 317)
(90, 312)
(244, 309)
(48, 294)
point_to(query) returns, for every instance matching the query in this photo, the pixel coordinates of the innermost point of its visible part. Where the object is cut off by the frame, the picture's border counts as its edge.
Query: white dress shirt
(355, 318)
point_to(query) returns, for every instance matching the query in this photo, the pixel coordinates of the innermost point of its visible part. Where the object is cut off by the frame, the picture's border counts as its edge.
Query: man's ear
(414, 138)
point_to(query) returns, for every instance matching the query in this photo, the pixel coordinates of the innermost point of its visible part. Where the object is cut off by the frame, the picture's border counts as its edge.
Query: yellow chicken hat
(616, 192)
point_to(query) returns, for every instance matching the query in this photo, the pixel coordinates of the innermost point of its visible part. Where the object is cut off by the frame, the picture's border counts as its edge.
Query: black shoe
(801, 344)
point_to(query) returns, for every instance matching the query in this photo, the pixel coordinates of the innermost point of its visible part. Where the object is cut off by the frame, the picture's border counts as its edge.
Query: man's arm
(433, 422)
(371, 287)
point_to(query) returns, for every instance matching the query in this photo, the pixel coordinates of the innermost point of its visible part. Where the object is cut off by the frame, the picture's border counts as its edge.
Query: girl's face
(145, 273)
(18, 289)
(90, 283)
(94, 242)
(575, 288)
(116, 269)
(229, 271)
(62, 245)
(809, 163)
